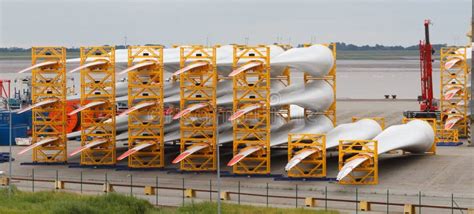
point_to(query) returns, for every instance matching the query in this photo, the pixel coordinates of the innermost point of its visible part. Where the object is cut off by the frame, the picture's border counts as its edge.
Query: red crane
(428, 107)
(426, 51)
(4, 89)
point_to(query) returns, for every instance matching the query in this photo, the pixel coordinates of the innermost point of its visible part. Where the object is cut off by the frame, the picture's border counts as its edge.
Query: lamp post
(9, 144)
(218, 162)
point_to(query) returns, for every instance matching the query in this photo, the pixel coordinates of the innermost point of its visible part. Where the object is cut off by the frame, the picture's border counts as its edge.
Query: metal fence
(163, 191)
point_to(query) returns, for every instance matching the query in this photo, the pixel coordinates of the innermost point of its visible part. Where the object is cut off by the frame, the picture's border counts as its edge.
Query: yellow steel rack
(315, 164)
(367, 172)
(145, 125)
(98, 123)
(252, 129)
(456, 76)
(49, 82)
(198, 86)
(447, 136)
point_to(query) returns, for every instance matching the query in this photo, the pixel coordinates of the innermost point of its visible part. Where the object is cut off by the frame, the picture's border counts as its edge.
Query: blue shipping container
(23, 118)
(18, 130)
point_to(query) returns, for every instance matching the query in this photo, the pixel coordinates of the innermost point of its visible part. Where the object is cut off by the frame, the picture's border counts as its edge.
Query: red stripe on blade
(235, 160)
(181, 157)
(126, 154)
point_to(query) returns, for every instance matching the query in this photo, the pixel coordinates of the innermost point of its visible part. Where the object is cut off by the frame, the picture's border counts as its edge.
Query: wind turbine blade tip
(235, 160)
(180, 157)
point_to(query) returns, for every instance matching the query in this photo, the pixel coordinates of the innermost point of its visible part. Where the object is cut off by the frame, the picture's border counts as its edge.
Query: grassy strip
(59, 202)
(207, 207)
(71, 203)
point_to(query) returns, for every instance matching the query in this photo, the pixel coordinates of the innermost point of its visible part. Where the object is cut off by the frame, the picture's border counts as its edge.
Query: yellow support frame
(433, 123)
(98, 84)
(49, 120)
(447, 136)
(283, 111)
(199, 86)
(284, 46)
(330, 78)
(458, 76)
(380, 120)
(252, 129)
(314, 166)
(146, 125)
(367, 172)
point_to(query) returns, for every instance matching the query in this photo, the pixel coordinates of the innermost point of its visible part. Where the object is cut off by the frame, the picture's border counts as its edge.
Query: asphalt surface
(450, 171)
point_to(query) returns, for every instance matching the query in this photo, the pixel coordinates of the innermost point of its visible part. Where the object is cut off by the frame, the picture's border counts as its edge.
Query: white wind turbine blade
(351, 165)
(318, 125)
(245, 67)
(317, 96)
(87, 106)
(38, 65)
(39, 104)
(365, 129)
(135, 149)
(191, 66)
(225, 58)
(142, 64)
(43, 141)
(416, 136)
(450, 92)
(225, 136)
(316, 60)
(190, 109)
(93, 143)
(189, 151)
(242, 154)
(301, 155)
(120, 127)
(90, 64)
(454, 60)
(451, 121)
(122, 136)
(137, 107)
(244, 110)
(450, 63)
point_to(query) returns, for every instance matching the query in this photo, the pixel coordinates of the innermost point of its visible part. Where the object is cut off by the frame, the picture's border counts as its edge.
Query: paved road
(437, 177)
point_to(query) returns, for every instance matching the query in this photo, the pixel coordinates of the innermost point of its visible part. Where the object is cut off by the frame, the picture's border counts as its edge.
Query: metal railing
(203, 190)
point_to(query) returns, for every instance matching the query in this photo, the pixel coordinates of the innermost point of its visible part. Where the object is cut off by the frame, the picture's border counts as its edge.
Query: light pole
(218, 162)
(9, 144)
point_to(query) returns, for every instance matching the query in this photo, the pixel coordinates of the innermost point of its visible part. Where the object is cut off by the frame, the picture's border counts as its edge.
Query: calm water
(356, 79)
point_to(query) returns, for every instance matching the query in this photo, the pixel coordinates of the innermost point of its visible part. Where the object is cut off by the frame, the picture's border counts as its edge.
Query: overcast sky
(93, 22)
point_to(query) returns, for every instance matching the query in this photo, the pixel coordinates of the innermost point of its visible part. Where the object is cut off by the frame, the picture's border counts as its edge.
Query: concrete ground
(451, 171)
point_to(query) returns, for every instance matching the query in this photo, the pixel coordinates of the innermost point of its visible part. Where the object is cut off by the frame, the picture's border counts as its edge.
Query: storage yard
(403, 176)
(268, 124)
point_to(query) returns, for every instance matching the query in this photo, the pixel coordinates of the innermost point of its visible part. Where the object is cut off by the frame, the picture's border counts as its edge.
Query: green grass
(70, 203)
(208, 207)
(58, 202)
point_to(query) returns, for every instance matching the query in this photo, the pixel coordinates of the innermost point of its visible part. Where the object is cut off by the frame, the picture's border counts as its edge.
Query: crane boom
(426, 68)
(428, 107)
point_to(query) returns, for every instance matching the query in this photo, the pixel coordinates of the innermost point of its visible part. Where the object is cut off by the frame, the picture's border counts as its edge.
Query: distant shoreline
(377, 100)
(341, 55)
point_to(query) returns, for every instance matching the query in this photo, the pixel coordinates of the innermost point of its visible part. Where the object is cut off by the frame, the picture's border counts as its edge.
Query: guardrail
(226, 195)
